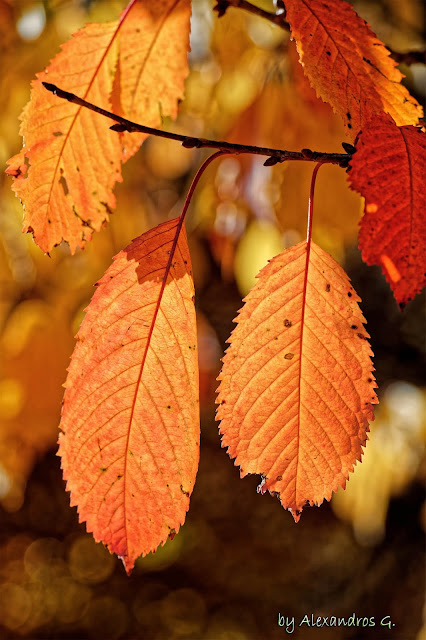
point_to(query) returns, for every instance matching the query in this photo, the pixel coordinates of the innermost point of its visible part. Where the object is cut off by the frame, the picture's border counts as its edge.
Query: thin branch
(409, 57)
(277, 18)
(273, 155)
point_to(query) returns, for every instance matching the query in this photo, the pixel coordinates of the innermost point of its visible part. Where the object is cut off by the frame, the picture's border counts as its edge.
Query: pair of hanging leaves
(297, 388)
(352, 70)
(71, 160)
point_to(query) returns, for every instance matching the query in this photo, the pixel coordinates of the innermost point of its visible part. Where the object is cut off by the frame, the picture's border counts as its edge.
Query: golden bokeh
(239, 559)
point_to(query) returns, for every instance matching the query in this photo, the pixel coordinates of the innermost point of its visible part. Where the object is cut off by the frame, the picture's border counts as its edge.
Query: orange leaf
(74, 157)
(297, 387)
(347, 65)
(388, 169)
(130, 423)
(154, 47)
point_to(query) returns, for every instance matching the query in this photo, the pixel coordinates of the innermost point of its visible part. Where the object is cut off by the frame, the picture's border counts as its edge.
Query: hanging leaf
(71, 160)
(130, 422)
(347, 65)
(153, 64)
(297, 387)
(388, 169)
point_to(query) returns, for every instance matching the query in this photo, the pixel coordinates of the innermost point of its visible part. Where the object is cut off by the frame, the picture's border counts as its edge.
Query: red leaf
(347, 65)
(297, 387)
(130, 423)
(388, 169)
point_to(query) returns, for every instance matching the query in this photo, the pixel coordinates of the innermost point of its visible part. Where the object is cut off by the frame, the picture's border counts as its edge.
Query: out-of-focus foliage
(245, 85)
(392, 459)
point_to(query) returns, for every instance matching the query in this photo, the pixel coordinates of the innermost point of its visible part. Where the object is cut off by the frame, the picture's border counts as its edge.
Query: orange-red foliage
(130, 423)
(73, 158)
(347, 65)
(389, 169)
(297, 386)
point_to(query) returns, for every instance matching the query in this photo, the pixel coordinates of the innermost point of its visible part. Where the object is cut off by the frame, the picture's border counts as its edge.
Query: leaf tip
(128, 564)
(296, 514)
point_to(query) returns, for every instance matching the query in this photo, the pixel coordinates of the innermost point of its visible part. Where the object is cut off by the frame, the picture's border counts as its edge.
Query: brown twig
(273, 155)
(277, 18)
(409, 57)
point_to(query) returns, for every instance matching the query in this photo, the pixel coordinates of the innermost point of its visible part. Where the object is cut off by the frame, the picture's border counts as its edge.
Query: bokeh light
(239, 559)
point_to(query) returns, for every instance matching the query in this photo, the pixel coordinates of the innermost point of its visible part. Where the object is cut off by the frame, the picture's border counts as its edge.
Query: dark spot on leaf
(349, 125)
(278, 478)
(348, 115)
(119, 477)
(103, 468)
(57, 133)
(185, 493)
(349, 294)
(327, 287)
(289, 356)
(360, 336)
(64, 185)
(288, 323)
(328, 53)
(353, 326)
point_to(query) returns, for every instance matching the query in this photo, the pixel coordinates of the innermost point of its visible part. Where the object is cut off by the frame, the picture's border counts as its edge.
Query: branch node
(308, 154)
(119, 127)
(221, 7)
(349, 148)
(191, 143)
(269, 162)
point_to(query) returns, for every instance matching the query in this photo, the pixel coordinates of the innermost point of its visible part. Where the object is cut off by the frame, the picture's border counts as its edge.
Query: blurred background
(239, 560)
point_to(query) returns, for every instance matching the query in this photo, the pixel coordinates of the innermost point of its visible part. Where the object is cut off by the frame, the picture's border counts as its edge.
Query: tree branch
(273, 155)
(409, 57)
(277, 18)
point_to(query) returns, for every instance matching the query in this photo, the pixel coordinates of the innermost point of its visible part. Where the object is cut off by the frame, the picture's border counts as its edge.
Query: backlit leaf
(71, 160)
(130, 420)
(153, 61)
(389, 169)
(347, 65)
(297, 387)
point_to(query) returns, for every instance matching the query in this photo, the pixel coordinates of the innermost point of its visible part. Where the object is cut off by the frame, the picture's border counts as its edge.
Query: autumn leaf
(297, 387)
(71, 160)
(153, 63)
(71, 156)
(130, 422)
(388, 169)
(347, 65)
